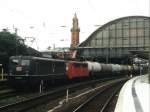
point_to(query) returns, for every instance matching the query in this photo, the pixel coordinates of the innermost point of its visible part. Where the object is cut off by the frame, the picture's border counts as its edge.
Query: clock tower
(75, 33)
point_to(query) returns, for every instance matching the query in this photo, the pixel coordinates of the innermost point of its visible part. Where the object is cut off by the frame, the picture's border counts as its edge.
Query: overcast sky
(50, 21)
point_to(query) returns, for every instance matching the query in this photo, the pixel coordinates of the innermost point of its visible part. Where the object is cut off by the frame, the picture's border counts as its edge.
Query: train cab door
(53, 68)
(36, 68)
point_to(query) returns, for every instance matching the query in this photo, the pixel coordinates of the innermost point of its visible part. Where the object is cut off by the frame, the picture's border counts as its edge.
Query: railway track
(3, 83)
(38, 99)
(5, 90)
(80, 102)
(7, 93)
(99, 102)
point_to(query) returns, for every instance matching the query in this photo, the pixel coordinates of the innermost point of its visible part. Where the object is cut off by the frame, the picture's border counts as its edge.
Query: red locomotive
(76, 69)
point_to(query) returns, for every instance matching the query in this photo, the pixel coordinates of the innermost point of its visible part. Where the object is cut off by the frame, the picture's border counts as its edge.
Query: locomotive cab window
(84, 65)
(25, 62)
(77, 64)
(15, 61)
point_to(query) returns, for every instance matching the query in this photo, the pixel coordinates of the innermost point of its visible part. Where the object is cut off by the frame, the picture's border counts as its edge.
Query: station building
(117, 41)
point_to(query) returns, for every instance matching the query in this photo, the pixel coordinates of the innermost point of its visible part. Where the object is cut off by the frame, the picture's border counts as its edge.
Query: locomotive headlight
(67, 67)
(27, 73)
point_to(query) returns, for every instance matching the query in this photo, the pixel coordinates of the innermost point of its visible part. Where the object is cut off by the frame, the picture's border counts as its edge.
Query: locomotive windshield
(21, 62)
(25, 62)
(15, 61)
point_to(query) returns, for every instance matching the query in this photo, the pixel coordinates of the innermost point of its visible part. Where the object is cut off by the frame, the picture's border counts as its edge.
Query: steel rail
(42, 98)
(109, 99)
(86, 104)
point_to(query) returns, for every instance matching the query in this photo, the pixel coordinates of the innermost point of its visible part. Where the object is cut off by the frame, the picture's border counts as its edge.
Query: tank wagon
(34, 69)
(102, 70)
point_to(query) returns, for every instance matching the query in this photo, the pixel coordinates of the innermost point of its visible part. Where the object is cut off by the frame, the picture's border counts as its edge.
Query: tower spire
(75, 32)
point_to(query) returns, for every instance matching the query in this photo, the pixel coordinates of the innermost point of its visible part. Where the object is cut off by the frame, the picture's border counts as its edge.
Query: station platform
(3, 80)
(3, 77)
(135, 95)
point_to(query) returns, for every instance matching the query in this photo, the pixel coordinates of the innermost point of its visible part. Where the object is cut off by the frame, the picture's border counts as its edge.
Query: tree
(10, 44)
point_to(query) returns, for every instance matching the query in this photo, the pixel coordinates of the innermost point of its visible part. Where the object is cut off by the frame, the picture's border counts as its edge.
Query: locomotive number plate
(18, 68)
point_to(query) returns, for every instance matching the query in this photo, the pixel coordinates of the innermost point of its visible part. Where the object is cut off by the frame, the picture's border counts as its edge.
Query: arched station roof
(118, 38)
(101, 28)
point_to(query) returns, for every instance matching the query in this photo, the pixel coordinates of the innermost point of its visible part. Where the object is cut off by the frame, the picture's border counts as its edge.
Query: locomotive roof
(34, 58)
(76, 61)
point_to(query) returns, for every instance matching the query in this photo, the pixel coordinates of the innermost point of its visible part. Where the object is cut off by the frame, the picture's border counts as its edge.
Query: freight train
(34, 69)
